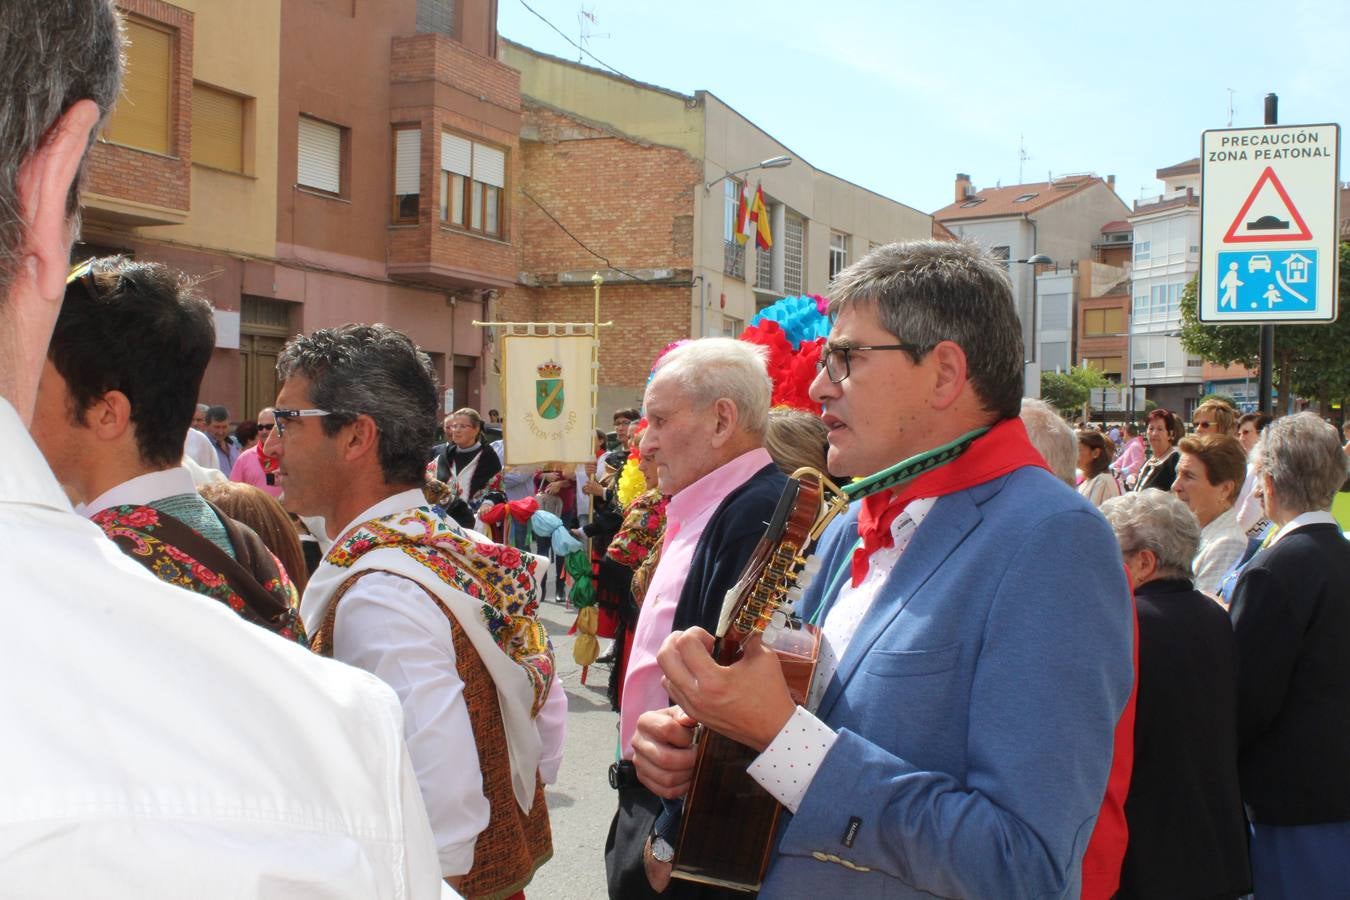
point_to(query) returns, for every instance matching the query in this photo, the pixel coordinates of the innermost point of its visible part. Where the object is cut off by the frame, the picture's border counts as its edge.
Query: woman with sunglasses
(1162, 433)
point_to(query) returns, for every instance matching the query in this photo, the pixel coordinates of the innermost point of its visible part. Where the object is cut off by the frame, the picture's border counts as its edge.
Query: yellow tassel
(632, 484)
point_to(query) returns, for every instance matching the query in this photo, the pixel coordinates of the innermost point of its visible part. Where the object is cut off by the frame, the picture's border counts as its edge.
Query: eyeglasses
(1202, 426)
(284, 415)
(835, 360)
(268, 427)
(83, 275)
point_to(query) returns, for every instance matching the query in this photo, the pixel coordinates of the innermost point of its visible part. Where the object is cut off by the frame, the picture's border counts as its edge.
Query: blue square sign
(1266, 281)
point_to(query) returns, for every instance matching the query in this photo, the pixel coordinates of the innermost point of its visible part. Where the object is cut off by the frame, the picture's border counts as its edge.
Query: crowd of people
(305, 659)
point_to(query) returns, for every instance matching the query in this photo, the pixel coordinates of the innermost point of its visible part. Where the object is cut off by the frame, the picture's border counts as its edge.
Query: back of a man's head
(1052, 437)
(375, 371)
(138, 328)
(927, 292)
(52, 54)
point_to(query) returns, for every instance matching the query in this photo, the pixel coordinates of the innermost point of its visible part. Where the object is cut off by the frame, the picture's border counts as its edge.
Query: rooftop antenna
(1022, 156)
(586, 20)
(1230, 106)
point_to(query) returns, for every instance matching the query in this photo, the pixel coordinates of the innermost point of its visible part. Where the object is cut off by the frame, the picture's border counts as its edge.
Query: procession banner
(546, 391)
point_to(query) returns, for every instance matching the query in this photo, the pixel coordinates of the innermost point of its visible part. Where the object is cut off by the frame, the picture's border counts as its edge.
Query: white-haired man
(707, 410)
(155, 744)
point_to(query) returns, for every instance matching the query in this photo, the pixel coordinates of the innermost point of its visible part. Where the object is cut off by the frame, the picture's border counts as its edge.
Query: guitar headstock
(780, 569)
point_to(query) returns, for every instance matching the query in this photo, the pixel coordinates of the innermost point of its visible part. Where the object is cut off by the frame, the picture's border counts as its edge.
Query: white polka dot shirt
(787, 765)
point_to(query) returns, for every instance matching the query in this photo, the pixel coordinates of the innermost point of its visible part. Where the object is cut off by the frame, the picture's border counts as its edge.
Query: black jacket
(1188, 834)
(1160, 476)
(725, 547)
(1291, 617)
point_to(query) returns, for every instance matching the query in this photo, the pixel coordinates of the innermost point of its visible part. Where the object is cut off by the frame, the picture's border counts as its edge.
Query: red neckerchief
(269, 463)
(1002, 449)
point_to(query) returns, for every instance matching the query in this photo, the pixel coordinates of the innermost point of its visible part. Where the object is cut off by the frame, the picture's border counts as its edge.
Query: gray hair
(711, 369)
(1157, 521)
(927, 292)
(375, 371)
(1303, 457)
(53, 53)
(1052, 437)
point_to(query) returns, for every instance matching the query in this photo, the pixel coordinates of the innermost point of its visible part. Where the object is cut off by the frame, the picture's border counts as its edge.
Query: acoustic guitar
(729, 821)
(726, 832)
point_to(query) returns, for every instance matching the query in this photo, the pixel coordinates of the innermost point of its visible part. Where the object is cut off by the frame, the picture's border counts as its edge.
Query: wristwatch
(661, 850)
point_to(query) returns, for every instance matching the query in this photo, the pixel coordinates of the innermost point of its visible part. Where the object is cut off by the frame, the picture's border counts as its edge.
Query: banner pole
(596, 280)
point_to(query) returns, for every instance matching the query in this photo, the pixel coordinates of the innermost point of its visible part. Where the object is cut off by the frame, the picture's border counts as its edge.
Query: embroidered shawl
(255, 586)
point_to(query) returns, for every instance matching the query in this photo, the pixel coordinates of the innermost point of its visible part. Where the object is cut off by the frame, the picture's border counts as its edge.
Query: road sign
(1269, 224)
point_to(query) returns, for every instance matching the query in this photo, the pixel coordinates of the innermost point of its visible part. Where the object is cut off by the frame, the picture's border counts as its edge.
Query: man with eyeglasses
(156, 746)
(977, 630)
(256, 466)
(448, 622)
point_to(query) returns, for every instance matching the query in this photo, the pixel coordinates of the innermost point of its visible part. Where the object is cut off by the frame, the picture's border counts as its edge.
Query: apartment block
(312, 163)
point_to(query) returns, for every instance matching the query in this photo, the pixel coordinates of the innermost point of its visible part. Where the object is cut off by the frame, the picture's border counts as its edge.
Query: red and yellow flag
(760, 215)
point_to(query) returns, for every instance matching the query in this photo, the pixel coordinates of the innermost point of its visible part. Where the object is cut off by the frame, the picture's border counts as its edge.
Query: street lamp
(1038, 259)
(773, 162)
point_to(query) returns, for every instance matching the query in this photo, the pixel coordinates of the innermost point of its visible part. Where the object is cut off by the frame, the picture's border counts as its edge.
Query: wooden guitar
(726, 833)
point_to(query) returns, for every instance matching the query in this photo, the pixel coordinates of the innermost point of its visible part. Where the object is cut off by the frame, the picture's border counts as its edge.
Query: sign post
(1269, 228)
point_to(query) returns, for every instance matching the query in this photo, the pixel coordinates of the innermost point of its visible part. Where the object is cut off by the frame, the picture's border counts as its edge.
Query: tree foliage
(1310, 360)
(1068, 391)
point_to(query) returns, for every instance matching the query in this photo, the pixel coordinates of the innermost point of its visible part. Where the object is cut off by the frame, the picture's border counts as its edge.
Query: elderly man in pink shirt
(707, 410)
(253, 465)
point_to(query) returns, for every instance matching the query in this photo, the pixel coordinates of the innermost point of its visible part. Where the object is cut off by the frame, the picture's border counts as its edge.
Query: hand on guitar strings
(663, 751)
(747, 701)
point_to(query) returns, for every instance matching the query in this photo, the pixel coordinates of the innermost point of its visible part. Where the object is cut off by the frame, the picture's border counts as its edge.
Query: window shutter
(489, 165)
(456, 154)
(141, 118)
(217, 128)
(408, 161)
(320, 162)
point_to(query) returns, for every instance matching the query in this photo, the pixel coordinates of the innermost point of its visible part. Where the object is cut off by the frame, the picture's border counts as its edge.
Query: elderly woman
(468, 465)
(1094, 461)
(1291, 618)
(1184, 809)
(1163, 431)
(1209, 475)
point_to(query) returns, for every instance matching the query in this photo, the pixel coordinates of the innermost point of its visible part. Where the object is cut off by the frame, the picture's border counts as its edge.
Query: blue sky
(900, 96)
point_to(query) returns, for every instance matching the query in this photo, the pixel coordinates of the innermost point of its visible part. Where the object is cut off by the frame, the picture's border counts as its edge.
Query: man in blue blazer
(977, 625)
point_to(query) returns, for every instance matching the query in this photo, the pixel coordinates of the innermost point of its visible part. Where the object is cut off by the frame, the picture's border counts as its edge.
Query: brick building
(640, 183)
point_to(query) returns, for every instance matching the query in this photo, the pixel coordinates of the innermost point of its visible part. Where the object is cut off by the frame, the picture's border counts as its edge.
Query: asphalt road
(581, 803)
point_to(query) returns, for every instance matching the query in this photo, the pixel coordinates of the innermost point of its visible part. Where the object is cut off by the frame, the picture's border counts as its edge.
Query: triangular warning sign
(1271, 224)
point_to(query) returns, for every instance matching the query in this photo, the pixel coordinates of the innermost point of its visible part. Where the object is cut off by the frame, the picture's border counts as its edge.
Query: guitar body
(727, 829)
(727, 815)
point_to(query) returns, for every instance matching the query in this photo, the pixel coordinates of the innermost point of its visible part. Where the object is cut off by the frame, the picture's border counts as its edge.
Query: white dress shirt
(387, 625)
(158, 746)
(787, 765)
(141, 490)
(199, 449)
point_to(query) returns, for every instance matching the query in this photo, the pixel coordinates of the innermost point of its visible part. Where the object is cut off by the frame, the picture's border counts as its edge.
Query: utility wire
(564, 36)
(580, 242)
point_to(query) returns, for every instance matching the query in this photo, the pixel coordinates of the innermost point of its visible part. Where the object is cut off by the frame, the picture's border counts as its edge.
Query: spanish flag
(745, 224)
(760, 215)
